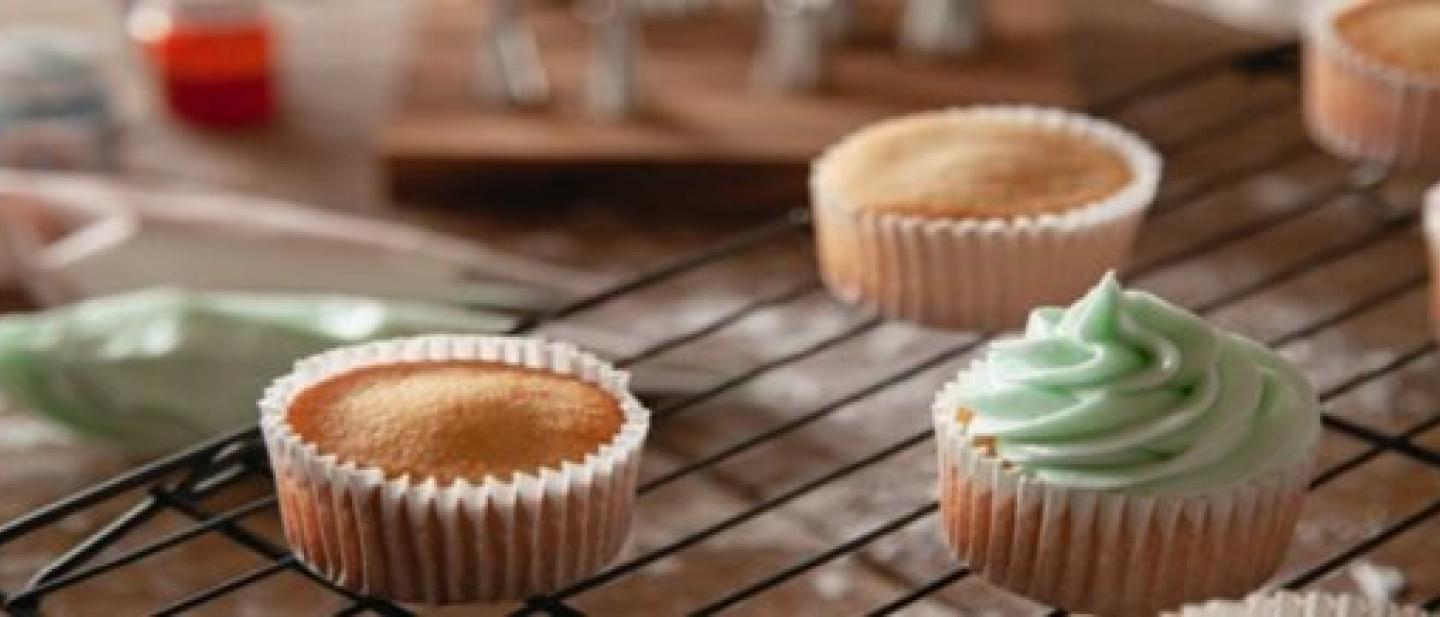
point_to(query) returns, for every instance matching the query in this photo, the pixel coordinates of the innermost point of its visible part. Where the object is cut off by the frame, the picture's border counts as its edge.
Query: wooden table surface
(1115, 44)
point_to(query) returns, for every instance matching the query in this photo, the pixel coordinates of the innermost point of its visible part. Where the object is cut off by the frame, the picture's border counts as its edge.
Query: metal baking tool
(510, 70)
(792, 55)
(612, 86)
(941, 28)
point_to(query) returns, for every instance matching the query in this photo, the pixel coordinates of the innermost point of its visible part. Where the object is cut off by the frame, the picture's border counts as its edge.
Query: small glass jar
(54, 112)
(213, 59)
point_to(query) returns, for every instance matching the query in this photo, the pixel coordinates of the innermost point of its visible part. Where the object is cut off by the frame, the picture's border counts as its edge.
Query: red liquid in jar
(216, 75)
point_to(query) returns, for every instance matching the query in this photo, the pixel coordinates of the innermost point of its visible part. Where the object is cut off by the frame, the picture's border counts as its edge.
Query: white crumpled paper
(76, 237)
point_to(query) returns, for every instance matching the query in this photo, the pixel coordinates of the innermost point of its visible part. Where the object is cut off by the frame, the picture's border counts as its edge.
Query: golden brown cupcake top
(950, 165)
(455, 419)
(1404, 34)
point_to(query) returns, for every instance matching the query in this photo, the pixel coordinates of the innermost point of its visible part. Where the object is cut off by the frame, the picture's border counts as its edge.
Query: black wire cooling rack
(180, 484)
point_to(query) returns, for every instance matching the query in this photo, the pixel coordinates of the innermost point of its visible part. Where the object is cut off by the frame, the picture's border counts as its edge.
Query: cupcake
(1289, 604)
(1372, 80)
(454, 469)
(1123, 457)
(1431, 215)
(967, 218)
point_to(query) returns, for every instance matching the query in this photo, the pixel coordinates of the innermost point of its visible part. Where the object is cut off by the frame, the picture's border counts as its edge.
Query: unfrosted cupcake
(1123, 457)
(1430, 210)
(1373, 80)
(454, 469)
(1288, 604)
(967, 218)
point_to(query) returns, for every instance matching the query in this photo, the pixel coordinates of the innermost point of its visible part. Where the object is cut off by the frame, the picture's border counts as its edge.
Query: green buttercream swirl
(1124, 391)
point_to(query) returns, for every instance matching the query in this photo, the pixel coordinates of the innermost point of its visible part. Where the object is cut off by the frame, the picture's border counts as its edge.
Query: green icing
(1124, 391)
(159, 369)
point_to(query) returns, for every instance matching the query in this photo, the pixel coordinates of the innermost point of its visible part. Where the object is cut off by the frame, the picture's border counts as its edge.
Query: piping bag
(171, 310)
(155, 370)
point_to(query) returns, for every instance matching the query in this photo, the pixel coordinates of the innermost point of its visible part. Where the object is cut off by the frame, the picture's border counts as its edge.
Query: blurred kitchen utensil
(942, 28)
(510, 70)
(612, 81)
(792, 54)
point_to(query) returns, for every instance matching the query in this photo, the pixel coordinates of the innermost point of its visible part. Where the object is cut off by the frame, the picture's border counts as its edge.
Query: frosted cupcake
(1298, 605)
(1372, 82)
(1123, 457)
(454, 469)
(967, 218)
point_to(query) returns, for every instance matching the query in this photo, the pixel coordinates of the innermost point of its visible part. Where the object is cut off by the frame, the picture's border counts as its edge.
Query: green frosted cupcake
(1123, 456)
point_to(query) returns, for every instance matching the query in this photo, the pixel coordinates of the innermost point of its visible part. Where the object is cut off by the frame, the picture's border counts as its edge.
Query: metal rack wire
(180, 483)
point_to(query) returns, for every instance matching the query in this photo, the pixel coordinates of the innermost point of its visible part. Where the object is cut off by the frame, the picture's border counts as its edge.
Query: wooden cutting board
(704, 124)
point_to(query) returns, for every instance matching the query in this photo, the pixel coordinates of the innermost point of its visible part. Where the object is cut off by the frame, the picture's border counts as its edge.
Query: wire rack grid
(183, 484)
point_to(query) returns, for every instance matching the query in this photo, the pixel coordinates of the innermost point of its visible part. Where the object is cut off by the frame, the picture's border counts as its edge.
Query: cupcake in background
(966, 218)
(1372, 80)
(1430, 210)
(450, 469)
(1290, 604)
(1124, 457)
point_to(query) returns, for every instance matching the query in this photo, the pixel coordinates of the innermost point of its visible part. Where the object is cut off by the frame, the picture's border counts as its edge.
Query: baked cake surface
(1404, 34)
(951, 165)
(455, 419)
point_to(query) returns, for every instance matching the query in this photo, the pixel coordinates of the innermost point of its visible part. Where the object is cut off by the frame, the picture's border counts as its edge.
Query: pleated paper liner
(1363, 110)
(414, 540)
(1289, 604)
(982, 274)
(1106, 552)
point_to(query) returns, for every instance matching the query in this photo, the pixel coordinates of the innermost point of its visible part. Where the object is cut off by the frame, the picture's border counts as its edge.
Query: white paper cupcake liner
(983, 273)
(415, 540)
(1287, 604)
(1360, 109)
(1106, 552)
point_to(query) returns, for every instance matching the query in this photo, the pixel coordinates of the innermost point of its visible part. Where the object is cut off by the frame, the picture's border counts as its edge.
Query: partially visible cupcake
(1123, 457)
(1430, 211)
(1372, 80)
(1290, 604)
(969, 217)
(454, 469)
